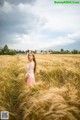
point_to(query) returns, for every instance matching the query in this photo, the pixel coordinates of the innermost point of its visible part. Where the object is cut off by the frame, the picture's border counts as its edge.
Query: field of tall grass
(56, 94)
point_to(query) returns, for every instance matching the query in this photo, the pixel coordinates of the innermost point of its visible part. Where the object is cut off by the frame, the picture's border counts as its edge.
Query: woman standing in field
(31, 68)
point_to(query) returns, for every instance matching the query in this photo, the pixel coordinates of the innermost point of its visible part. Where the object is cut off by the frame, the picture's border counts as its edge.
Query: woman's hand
(26, 77)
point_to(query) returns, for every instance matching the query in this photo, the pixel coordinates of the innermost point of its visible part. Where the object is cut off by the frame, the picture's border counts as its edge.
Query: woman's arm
(31, 66)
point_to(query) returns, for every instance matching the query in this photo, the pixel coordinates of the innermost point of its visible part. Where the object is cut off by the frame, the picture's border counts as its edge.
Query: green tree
(75, 51)
(62, 50)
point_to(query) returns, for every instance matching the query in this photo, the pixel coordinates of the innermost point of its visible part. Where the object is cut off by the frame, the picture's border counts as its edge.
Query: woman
(31, 68)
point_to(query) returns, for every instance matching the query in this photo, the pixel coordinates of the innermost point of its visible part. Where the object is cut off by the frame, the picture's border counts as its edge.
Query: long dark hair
(34, 59)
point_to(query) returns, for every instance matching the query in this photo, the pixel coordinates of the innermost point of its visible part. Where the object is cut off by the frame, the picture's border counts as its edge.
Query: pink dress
(30, 73)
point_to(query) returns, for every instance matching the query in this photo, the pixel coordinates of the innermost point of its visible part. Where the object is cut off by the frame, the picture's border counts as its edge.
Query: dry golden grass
(56, 94)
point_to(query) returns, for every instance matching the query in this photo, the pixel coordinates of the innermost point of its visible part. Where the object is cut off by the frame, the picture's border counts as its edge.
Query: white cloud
(59, 18)
(46, 17)
(33, 41)
(30, 41)
(75, 36)
(24, 7)
(60, 41)
(7, 7)
(56, 17)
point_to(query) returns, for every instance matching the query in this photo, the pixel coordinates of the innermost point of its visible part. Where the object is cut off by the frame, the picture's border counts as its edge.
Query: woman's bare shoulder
(32, 63)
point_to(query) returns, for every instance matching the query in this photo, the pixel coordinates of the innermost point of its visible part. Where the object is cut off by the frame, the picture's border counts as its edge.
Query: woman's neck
(31, 60)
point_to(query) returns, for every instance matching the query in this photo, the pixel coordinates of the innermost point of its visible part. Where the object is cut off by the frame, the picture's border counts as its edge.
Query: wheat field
(56, 94)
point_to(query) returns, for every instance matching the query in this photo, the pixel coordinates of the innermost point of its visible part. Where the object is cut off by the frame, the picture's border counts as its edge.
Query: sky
(39, 24)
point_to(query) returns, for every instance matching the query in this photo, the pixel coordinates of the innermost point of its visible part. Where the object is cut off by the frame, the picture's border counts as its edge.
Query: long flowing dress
(30, 73)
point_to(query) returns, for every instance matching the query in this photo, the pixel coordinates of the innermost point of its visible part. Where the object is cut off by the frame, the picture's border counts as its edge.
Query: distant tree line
(62, 51)
(6, 51)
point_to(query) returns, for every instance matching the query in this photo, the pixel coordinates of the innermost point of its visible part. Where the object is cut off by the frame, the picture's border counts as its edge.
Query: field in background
(56, 94)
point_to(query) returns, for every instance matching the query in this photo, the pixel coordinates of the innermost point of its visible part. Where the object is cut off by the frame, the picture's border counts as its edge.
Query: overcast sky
(39, 24)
